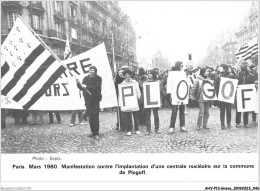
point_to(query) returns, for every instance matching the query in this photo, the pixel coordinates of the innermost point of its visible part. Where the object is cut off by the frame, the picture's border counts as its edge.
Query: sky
(181, 27)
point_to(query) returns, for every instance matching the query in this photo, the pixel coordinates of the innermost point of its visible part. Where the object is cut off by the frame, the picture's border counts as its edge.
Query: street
(61, 138)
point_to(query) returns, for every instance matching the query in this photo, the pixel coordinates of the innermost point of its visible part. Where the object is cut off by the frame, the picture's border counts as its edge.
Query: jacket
(94, 87)
(246, 78)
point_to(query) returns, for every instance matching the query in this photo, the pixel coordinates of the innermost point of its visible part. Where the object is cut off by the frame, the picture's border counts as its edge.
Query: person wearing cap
(224, 106)
(127, 115)
(91, 87)
(244, 77)
(152, 77)
(176, 105)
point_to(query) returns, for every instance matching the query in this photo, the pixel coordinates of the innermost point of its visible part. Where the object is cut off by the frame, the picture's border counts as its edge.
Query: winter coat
(246, 78)
(94, 87)
(196, 91)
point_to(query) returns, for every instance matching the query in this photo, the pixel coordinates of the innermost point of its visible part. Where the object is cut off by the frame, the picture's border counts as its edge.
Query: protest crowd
(245, 74)
(134, 95)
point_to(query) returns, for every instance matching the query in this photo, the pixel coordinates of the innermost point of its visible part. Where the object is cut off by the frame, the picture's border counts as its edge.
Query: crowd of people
(142, 116)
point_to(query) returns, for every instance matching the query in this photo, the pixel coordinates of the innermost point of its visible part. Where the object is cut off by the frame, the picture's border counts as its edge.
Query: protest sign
(8, 103)
(178, 86)
(191, 79)
(152, 96)
(257, 103)
(128, 97)
(208, 90)
(227, 90)
(246, 97)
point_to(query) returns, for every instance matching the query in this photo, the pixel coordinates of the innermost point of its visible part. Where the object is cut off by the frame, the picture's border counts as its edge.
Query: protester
(73, 117)
(141, 79)
(204, 105)
(224, 106)
(177, 105)
(91, 87)
(127, 115)
(34, 117)
(118, 80)
(244, 77)
(20, 116)
(153, 78)
(57, 113)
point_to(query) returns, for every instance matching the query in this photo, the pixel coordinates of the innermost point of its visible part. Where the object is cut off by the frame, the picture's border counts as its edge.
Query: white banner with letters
(64, 94)
(246, 97)
(152, 96)
(227, 90)
(257, 103)
(208, 90)
(128, 97)
(178, 86)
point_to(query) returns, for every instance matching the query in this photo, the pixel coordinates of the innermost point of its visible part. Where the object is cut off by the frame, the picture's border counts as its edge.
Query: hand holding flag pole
(43, 43)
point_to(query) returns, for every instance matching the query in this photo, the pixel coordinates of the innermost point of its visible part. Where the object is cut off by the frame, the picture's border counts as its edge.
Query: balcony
(54, 33)
(58, 17)
(36, 7)
(12, 5)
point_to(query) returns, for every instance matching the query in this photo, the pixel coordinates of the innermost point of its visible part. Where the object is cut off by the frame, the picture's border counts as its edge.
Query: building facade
(87, 24)
(229, 52)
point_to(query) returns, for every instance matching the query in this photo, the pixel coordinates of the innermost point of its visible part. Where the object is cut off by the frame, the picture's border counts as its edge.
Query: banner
(63, 94)
(8, 103)
(128, 97)
(208, 90)
(227, 90)
(152, 96)
(178, 86)
(246, 97)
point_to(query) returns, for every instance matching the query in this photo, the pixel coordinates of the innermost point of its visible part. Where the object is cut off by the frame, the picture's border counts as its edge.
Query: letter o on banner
(203, 90)
(231, 91)
(177, 90)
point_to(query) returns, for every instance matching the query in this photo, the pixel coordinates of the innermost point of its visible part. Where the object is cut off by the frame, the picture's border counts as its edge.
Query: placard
(128, 97)
(227, 90)
(208, 90)
(246, 97)
(152, 96)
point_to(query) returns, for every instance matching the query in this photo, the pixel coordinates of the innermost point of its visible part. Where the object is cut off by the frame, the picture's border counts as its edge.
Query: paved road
(61, 138)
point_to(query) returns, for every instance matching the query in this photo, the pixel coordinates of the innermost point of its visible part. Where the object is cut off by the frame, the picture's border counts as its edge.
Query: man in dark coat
(91, 87)
(244, 77)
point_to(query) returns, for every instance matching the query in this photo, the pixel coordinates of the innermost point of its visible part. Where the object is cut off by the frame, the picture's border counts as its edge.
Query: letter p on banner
(246, 97)
(127, 97)
(227, 90)
(152, 96)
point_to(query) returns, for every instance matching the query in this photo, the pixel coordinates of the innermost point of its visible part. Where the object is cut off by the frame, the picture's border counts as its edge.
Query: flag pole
(43, 43)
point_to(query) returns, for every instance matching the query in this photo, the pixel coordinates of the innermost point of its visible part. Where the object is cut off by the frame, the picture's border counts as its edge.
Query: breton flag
(27, 68)
(67, 52)
(252, 49)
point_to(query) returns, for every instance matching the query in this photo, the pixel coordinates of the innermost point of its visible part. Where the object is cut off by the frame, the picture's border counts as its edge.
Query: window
(11, 19)
(74, 33)
(72, 12)
(36, 22)
(58, 6)
(59, 29)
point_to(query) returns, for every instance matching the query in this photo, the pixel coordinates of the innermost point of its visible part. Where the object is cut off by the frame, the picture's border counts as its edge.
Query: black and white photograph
(132, 79)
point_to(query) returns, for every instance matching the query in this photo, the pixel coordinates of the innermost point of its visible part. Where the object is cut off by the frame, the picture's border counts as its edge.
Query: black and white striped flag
(27, 68)
(252, 49)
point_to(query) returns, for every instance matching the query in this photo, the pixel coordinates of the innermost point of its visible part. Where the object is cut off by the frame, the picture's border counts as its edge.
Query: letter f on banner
(246, 98)
(124, 95)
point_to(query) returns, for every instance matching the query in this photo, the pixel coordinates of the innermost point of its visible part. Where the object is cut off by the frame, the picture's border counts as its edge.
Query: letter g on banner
(178, 91)
(210, 89)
